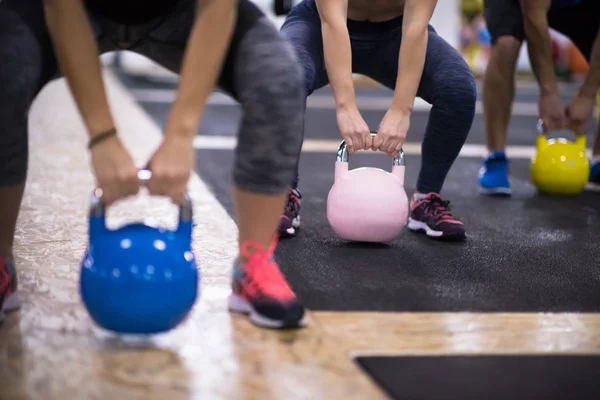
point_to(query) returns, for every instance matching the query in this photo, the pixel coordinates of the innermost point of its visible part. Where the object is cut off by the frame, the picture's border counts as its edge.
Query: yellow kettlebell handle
(542, 140)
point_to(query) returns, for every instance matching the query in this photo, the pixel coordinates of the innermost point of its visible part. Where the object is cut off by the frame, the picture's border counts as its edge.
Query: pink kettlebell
(367, 204)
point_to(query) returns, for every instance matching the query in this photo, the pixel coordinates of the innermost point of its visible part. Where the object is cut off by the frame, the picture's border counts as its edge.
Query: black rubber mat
(525, 254)
(486, 377)
(530, 254)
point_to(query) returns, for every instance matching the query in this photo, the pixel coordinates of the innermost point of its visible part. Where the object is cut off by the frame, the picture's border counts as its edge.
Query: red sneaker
(260, 290)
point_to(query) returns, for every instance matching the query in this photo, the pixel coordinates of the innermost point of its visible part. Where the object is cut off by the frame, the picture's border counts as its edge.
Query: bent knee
(272, 95)
(455, 87)
(506, 50)
(306, 46)
(268, 72)
(270, 87)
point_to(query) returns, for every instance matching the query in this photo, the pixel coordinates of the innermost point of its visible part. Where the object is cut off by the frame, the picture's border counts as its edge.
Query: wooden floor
(51, 350)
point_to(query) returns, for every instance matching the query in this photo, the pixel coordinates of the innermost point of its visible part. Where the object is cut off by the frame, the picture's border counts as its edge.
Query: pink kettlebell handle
(341, 165)
(342, 153)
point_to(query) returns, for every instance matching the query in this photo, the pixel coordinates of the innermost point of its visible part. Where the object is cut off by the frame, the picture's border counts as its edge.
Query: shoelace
(266, 276)
(494, 163)
(438, 207)
(292, 206)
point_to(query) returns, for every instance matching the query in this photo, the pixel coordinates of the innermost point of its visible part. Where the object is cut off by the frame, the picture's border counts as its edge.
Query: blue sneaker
(593, 184)
(493, 175)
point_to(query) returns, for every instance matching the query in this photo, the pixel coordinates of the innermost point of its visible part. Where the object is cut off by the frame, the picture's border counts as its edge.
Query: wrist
(587, 90)
(100, 137)
(401, 107)
(549, 89)
(346, 106)
(99, 123)
(181, 125)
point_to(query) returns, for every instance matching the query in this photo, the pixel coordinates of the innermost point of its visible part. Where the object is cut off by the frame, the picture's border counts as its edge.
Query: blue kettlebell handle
(97, 213)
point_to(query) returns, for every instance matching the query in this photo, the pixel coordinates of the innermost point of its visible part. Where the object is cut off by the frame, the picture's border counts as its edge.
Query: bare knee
(505, 53)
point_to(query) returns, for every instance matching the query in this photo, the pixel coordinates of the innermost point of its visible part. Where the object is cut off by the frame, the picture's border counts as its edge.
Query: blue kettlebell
(138, 279)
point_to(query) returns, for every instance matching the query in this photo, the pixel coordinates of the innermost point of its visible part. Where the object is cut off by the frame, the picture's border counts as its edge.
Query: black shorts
(580, 22)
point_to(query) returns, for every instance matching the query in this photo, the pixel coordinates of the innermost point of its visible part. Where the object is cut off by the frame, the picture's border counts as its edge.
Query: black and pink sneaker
(431, 215)
(290, 220)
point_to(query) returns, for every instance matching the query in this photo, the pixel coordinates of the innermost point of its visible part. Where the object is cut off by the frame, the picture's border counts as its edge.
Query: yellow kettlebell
(559, 167)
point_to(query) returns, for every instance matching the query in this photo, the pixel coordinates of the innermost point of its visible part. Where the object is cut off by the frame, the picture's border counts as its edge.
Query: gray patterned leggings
(261, 72)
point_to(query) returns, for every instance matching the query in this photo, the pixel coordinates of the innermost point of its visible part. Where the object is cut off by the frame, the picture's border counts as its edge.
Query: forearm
(338, 61)
(591, 85)
(413, 47)
(410, 67)
(539, 45)
(77, 57)
(202, 64)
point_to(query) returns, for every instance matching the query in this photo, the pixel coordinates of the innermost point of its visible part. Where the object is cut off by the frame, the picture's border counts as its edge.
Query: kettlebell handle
(539, 126)
(580, 139)
(541, 129)
(342, 153)
(98, 208)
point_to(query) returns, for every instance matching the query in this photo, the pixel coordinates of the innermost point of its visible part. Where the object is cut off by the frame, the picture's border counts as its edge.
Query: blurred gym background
(460, 22)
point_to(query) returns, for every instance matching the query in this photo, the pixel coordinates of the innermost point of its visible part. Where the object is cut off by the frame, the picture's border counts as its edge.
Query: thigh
(26, 65)
(504, 18)
(302, 28)
(166, 43)
(256, 38)
(580, 23)
(259, 60)
(26, 53)
(444, 66)
(446, 74)
(27, 59)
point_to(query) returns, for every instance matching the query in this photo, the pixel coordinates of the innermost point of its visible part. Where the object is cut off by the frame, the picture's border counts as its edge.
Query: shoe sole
(499, 191)
(241, 306)
(592, 187)
(418, 226)
(11, 303)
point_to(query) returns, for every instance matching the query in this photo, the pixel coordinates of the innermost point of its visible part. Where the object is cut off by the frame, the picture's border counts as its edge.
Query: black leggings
(579, 22)
(447, 82)
(261, 72)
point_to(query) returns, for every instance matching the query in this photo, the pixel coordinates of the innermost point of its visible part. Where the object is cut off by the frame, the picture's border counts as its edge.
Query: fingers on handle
(368, 142)
(349, 145)
(391, 148)
(377, 143)
(108, 196)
